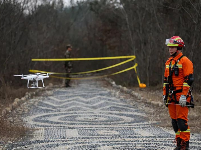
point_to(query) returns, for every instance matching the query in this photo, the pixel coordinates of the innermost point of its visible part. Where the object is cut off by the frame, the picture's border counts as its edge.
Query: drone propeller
(45, 74)
(18, 75)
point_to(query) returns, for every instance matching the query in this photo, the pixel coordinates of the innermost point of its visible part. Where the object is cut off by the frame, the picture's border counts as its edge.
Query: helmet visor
(171, 42)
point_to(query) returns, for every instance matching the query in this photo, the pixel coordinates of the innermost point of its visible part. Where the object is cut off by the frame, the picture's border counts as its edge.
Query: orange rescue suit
(179, 83)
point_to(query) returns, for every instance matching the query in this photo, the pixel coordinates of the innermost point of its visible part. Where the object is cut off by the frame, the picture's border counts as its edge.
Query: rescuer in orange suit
(178, 78)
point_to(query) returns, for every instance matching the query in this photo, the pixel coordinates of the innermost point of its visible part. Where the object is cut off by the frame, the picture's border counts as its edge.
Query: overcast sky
(67, 2)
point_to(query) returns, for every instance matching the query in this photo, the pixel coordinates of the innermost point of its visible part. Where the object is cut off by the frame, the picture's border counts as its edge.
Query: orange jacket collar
(177, 57)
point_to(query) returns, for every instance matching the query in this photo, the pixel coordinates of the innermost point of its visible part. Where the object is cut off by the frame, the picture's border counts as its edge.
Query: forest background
(95, 28)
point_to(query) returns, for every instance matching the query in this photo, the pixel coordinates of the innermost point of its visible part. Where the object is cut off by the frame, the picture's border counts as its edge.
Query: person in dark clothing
(68, 64)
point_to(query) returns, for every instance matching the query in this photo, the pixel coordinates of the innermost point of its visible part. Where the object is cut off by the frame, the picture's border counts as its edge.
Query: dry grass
(8, 93)
(10, 130)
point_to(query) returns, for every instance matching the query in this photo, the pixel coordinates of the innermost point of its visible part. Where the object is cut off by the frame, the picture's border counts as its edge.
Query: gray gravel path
(88, 116)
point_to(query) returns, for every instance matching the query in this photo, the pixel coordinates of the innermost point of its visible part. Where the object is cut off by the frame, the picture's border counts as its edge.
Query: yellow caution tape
(75, 59)
(97, 76)
(138, 79)
(121, 63)
(141, 85)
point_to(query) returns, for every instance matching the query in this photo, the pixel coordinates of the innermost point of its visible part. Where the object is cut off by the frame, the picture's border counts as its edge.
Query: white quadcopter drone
(34, 78)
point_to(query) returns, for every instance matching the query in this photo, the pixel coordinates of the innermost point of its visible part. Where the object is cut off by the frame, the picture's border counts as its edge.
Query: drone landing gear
(43, 83)
(35, 84)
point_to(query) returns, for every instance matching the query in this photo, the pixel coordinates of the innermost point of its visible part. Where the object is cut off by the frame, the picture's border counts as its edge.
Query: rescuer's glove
(165, 100)
(182, 101)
